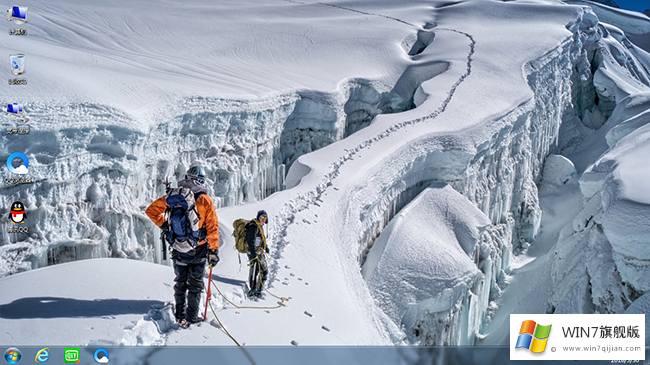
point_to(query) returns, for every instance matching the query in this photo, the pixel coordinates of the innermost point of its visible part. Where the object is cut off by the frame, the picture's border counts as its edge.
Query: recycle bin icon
(17, 63)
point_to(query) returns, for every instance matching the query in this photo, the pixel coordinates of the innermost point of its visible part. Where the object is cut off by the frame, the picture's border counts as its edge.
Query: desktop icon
(17, 63)
(13, 356)
(101, 356)
(18, 14)
(42, 355)
(23, 163)
(17, 214)
(71, 356)
(16, 110)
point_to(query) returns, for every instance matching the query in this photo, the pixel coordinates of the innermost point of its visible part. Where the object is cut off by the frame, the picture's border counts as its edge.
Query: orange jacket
(207, 217)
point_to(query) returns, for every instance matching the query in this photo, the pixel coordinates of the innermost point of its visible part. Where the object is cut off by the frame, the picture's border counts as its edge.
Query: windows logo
(533, 336)
(13, 356)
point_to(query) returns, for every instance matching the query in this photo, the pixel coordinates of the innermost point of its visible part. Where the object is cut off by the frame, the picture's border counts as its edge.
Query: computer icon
(18, 14)
(16, 110)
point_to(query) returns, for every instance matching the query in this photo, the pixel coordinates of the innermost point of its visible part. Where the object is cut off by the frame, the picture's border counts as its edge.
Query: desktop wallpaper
(427, 169)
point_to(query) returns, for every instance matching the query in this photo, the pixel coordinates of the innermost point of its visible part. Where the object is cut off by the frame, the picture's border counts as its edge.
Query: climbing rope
(250, 358)
(222, 326)
(282, 299)
(214, 312)
(280, 304)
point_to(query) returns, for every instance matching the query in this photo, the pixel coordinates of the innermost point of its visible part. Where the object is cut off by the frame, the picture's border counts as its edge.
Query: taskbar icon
(42, 355)
(13, 355)
(101, 356)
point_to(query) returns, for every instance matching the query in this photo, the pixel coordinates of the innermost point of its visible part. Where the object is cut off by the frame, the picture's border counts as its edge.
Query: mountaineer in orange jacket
(187, 216)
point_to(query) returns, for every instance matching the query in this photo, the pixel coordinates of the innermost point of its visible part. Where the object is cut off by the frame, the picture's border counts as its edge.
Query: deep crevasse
(501, 179)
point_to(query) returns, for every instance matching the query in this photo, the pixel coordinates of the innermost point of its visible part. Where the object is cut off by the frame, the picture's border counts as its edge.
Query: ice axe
(207, 301)
(165, 228)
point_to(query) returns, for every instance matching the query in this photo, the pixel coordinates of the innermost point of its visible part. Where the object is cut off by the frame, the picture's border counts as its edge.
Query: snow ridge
(302, 202)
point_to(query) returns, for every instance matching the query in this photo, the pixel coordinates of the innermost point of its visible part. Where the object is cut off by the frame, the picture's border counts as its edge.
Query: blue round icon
(101, 356)
(13, 356)
(22, 169)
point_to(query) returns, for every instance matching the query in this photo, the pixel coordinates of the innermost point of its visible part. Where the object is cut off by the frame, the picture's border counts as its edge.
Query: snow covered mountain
(429, 167)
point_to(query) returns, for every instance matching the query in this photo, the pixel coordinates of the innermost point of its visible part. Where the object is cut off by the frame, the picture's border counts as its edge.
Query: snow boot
(193, 299)
(254, 293)
(179, 312)
(194, 320)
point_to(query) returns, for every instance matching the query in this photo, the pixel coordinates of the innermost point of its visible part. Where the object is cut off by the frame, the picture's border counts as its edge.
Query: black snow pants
(259, 267)
(189, 279)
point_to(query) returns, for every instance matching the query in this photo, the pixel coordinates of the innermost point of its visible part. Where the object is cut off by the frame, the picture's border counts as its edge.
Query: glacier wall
(97, 169)
(601, 259)
(365, 104)
(501, 178)
(320, 119)
(600, 262)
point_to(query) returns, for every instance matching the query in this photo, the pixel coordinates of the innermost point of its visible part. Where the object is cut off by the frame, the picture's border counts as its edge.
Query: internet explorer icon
(533, 336)
(43, 355)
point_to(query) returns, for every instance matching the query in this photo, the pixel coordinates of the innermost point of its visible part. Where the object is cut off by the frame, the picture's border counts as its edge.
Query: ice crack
(374, 14)
(287, 214)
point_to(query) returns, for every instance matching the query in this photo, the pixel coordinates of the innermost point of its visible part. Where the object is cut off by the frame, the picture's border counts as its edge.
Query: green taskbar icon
(71, 356)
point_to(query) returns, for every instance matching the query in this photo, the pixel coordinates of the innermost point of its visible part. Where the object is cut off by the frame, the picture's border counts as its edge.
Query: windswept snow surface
(89, 302)
(122, 100)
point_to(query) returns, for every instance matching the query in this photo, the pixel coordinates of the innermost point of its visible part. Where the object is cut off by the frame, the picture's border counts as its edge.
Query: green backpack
(239, 232)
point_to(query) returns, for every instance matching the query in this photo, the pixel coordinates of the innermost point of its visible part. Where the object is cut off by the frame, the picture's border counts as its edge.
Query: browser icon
(101, 356)
(42, 355)
(23, 163)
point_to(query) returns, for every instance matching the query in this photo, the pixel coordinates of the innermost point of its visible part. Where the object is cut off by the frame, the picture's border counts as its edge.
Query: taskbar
(258, 355)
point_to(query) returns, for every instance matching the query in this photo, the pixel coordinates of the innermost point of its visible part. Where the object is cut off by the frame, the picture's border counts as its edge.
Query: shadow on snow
(54, 307)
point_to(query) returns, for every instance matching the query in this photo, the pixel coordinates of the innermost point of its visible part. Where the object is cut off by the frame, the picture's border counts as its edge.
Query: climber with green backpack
(250, 239)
